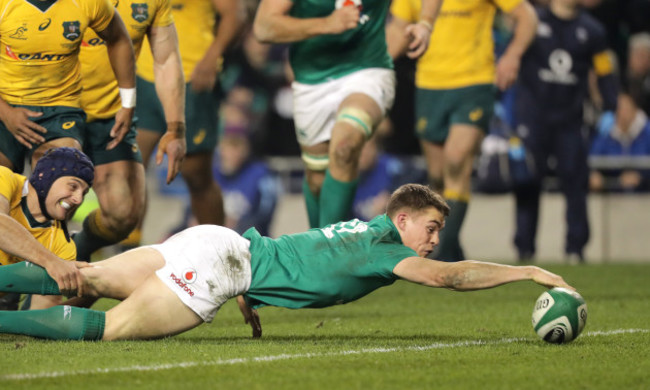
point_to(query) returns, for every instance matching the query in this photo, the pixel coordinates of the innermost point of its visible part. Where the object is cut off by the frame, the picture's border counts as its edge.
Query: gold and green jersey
(50, 234)
(39, 48)
(461, 50)
(195, 21)
(100, 97)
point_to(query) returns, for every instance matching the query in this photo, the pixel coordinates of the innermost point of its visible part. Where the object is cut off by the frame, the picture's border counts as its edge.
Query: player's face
(421, 231)
(65, 196)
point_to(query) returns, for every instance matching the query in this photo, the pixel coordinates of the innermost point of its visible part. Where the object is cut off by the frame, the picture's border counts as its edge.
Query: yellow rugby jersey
(100, 98)
(50, 234)
(195, 20)
(39, 48)
(461, 50)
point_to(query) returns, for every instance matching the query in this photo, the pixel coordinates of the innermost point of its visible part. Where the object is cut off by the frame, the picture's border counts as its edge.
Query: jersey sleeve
(8, 183)
(100, 14)
(507, 5)
(404, 10)
(385, 256)
(163, 15)
(64, 249)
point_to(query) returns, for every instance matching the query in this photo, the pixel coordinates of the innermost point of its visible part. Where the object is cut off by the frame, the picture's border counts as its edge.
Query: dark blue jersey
(553, 79)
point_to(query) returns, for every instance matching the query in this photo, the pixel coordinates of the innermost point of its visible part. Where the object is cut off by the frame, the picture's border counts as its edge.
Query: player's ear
(400, 220)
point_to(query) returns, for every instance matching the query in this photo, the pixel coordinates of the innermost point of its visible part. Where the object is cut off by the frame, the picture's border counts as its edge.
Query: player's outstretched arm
(472, 275)
(273, 24)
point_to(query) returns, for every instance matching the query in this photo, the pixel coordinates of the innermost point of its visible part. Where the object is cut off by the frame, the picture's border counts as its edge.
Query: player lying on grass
(33, 212)
(177, 285)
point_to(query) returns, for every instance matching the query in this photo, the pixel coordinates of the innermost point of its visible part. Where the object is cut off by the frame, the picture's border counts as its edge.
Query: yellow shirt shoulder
(39, 46)
(461, 50)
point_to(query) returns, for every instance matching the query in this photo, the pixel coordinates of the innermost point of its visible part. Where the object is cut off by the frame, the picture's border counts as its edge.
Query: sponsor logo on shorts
(189, 275)
(181, 284)
(199, 137)
(476, 114)
(421, 125)
(68, 125)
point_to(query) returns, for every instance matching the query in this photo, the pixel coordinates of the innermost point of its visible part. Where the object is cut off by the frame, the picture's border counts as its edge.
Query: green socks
(311, 201)
(27, 278)
(56, 323)
(449, 248)
(336, 199)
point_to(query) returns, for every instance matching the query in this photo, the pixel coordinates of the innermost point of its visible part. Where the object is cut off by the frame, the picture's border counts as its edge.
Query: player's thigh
(197, 170)
(151, 311)
(147, 141)
(357, 117)
(117, 277)
(120, 188)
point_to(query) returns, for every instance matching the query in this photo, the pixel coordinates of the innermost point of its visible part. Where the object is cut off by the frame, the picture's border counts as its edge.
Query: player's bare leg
(357, 117)
(151, 311)
(120, 189)
(5, 162)
(460, 149)
(316, 160)
(55, 143)
(205, 194)
(434, 156)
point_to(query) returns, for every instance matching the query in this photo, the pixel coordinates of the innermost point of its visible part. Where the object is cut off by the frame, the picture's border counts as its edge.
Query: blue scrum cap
(57, 163)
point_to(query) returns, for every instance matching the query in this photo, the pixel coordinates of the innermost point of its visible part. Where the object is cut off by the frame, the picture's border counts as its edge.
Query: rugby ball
(559, 315)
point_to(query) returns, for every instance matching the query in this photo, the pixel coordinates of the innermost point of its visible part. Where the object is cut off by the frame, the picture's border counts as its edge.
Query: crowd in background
(256, 123)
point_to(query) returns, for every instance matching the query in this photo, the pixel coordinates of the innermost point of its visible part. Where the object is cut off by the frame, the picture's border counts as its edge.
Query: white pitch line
(271, 358)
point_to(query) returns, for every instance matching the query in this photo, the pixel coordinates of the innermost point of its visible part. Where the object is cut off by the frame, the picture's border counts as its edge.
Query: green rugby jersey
(323, 267)
(327, 57)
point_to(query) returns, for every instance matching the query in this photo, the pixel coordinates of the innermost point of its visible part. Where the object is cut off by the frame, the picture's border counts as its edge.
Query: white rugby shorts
(315, 105)
(205, 266)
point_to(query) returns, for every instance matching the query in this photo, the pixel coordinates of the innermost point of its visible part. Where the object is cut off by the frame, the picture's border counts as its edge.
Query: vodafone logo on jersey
(189, 275)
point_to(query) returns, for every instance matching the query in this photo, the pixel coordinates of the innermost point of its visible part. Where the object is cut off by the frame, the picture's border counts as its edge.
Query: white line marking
(271, 358)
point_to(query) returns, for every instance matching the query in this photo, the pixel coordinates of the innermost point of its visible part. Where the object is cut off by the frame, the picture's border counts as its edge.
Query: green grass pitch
(399, 337)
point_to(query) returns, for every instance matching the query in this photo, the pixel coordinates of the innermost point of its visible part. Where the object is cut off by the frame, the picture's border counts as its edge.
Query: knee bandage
(315, 162)
(358, 118)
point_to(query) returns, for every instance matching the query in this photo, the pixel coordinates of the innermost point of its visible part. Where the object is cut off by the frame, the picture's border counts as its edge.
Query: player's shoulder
(8, 177)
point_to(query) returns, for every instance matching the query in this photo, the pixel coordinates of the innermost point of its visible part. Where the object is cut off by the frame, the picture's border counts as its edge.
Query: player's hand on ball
(549, 279)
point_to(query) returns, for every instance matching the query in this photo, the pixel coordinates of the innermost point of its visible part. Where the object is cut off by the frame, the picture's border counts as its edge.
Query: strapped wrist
(128, 96)
(177, 129)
